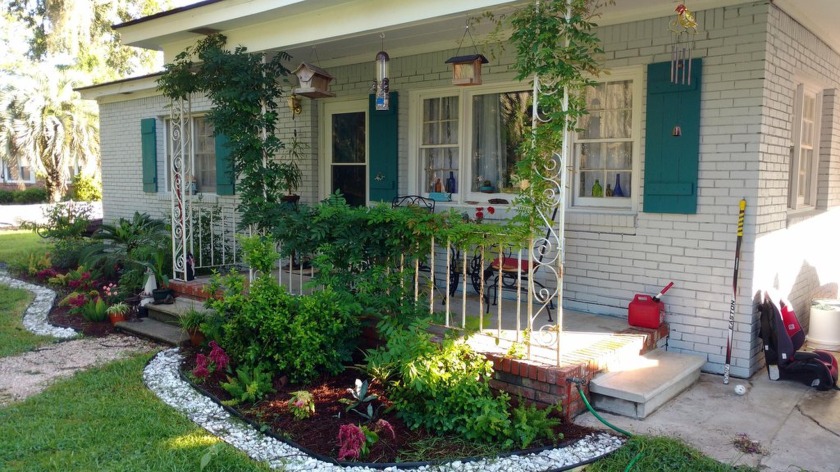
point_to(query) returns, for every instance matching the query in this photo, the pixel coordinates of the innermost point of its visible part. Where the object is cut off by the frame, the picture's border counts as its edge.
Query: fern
(250, 385)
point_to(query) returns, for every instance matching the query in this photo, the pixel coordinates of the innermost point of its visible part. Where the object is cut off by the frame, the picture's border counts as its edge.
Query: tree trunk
(52, 181)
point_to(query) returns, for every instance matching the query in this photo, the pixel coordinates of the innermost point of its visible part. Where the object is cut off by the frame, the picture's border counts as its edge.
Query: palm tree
(45, 121)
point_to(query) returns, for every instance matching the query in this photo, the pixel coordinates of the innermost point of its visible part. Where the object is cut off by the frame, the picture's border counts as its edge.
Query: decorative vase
(617, 189)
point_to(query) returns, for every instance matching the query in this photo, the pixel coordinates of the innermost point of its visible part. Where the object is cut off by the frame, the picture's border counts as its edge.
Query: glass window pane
(348, 137)
(351, 181)
(499, 127)
(620, 156)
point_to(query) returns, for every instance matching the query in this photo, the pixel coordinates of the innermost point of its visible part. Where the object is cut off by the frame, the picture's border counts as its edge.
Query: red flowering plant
(111, 293)
(217, 360)
(479, 213)
(355, 441)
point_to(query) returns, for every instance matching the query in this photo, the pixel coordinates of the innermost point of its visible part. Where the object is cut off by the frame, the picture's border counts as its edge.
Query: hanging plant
(245, 90)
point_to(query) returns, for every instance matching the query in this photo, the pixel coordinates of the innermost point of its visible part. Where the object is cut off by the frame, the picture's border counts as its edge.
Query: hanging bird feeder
(314, 81)
(466, 70)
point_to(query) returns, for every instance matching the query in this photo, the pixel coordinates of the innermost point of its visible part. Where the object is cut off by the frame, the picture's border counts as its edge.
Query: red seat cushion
(510, 264)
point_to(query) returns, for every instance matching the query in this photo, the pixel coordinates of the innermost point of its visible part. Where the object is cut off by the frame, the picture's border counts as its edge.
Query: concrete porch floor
(797, 426)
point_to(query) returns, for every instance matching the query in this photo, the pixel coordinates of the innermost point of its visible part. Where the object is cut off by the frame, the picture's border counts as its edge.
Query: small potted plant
(290, 173)
(117, 312)
(191, 323)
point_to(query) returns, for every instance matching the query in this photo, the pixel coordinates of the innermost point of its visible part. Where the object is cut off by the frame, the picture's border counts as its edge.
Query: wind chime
(682, 28)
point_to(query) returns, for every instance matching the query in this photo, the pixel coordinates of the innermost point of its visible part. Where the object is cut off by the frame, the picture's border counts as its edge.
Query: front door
(346, 150)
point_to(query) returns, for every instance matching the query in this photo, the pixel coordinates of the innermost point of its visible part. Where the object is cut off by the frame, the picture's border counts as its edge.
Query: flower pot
(196, 337)
(116, 317)
(160, 294)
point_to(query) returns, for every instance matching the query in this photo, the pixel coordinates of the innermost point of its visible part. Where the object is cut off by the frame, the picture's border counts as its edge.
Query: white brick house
(761, 61)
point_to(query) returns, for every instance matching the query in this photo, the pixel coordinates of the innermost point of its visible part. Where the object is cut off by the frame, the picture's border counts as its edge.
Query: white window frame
(167, 153)
(7, 175)
(465, 139)
(575, 202)
(799, 198)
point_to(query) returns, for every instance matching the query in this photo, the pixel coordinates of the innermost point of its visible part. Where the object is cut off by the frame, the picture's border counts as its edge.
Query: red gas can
(645, 313)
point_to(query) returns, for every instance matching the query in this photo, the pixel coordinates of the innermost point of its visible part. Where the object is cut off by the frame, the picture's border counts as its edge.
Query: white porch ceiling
(406, 29)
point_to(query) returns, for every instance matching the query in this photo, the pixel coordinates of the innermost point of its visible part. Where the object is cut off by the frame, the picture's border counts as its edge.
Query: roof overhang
(119, 90)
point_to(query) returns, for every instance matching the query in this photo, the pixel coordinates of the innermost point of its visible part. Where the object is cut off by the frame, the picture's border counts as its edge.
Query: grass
(106, 419)
(14, 339)
(661, 454)
(15, 243)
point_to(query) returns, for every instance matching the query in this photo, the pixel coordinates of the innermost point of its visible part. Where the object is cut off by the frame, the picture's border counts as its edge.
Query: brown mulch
(61, 316)
(318, 434)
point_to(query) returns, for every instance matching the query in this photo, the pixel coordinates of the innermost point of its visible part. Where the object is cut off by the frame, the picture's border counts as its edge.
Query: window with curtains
(204, 151)
(469, 139)
(605, 147)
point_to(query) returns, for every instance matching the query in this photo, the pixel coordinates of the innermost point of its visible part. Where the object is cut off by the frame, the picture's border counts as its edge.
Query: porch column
(180, 175)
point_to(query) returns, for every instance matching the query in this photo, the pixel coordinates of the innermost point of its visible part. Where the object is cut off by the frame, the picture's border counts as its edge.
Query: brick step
(644, 384)
(155, 330)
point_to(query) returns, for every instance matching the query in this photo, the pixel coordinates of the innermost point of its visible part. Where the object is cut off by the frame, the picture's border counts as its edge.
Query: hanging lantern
(466, 70)
(381, 85)
(314, 81)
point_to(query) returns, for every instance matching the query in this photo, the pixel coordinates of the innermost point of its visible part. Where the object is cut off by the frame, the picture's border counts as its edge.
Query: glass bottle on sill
(438, 186)
(450, 183)
(617, 192)
(597, 190)
(609, 191)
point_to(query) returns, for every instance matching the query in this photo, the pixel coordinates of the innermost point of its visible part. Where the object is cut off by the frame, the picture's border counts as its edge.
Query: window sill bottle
(597, 190)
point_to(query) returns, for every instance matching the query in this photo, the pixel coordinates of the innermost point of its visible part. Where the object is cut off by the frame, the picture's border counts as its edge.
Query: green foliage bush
(31, 195)
(300, 336)
(445, 388)
(85, 189)
(23, 197)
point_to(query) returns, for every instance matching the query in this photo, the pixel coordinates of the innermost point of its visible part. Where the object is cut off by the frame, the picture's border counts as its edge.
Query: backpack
(783, 337)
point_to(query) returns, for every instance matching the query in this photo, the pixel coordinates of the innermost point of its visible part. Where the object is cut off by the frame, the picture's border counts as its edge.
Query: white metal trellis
(180, 173)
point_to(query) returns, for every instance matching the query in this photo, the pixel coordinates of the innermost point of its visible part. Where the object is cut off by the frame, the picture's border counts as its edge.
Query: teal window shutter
(672, 140)
(225, 176)
(148, 146)
(382, 139)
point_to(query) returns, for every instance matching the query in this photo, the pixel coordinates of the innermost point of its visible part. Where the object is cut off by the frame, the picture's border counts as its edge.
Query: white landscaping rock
(162, 377)
(35, 317)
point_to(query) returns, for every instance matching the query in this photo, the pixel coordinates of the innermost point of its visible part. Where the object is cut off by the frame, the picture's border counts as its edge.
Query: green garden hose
(579, 383)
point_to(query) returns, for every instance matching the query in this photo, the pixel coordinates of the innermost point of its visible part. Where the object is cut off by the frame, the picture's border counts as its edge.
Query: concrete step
(155, 330)
(172, 313)
(641, 387)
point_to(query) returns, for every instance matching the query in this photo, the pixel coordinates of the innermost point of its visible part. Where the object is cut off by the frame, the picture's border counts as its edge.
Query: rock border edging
(35, 317)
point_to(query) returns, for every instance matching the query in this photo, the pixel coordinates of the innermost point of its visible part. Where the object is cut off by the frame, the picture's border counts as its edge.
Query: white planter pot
(824, 328)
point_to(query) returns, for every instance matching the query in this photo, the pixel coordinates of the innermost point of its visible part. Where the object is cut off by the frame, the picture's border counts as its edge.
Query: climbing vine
(245, 89)
(554, 41)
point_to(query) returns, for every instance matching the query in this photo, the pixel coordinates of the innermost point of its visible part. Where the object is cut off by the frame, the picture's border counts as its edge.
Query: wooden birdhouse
(314, 81)
(466, 70)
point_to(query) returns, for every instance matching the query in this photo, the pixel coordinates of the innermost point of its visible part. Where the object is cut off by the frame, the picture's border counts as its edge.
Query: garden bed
(318, 433)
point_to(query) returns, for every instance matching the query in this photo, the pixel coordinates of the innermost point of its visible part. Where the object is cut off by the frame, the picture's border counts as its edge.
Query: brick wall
(794, 251)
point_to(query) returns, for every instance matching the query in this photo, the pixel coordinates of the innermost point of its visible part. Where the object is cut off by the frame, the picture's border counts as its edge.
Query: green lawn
(106, 419)
(660, 454)
(15, 243)
(14, 339)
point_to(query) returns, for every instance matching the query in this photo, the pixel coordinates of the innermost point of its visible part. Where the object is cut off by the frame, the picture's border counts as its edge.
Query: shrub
(7, 197)
(445, 388)
(302, 405)
(300, 336)
(95, 309)
(85, 189)
(30, 196)
(65, 225)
